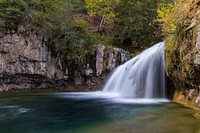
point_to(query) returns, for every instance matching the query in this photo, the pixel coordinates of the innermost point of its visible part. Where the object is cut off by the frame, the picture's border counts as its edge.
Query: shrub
(174, 17)
(12, 13)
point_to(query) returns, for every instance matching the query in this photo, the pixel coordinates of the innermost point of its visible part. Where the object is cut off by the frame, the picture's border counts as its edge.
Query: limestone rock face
(96, 67)
(189, 97)
(27, 61)
(25, 55)
(107, 60)
(116, 57)
(197, 59)
(197, 56)
(186, 71)
(198, 39)
(99, 59)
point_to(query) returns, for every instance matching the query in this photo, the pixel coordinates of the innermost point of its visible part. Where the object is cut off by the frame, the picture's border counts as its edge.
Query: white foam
(110, 97)
(23, 110)
(9, 107)
(140, 101)
(16, 108)
(87, 95)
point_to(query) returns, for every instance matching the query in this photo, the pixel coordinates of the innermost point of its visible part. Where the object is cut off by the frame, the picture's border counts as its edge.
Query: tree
(174, 16)
(12, 13)
(102, 8)
(42, 15)
(135, 22)
(53, 18)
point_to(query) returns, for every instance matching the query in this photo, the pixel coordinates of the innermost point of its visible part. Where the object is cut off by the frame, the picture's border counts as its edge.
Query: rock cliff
(183, 62)
(27, 61)
(96, 68)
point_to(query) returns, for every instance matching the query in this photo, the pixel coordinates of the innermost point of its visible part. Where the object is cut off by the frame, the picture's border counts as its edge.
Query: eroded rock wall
(97, 67)
(185, 73)
(27, 61)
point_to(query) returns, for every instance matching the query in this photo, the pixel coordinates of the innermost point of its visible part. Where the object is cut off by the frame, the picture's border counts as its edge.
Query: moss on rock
(181, 50)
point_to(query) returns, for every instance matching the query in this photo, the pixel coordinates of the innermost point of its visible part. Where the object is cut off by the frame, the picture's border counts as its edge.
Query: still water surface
(92, 113)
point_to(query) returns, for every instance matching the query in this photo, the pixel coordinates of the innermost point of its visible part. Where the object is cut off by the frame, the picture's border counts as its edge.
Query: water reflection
(92, 113)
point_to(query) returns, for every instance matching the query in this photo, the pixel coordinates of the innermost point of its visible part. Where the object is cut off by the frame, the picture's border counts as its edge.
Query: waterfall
(141, 77)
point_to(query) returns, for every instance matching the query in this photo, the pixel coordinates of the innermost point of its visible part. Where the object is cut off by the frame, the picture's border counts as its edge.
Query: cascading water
(141, 77)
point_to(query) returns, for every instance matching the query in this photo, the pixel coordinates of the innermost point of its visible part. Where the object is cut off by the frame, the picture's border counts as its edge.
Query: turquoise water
(92, 113)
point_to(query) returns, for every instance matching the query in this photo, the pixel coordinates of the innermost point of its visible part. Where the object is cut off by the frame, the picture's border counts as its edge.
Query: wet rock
(78, 79)
(190, 94)
(197, 100)
(43, 86)
(125, 56)
(4, 49)
(59, 84)
(8, 87)
(190, 98)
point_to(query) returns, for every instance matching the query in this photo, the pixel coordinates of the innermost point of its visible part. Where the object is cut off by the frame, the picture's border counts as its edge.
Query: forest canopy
(113, 22)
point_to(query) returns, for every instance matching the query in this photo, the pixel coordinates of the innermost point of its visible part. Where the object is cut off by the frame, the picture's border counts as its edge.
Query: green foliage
(80, 23)
(73, 45)
(174, 17)
(78, 6)
(12, 13)
(135, 22)
(104, 8)
(171, 45)
(36, 14)
(177, 24)
(54, 18)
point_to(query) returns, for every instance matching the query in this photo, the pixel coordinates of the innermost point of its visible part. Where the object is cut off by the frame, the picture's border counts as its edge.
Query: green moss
(197, 115)
(180, 67)
(80, 23)
(171, 45)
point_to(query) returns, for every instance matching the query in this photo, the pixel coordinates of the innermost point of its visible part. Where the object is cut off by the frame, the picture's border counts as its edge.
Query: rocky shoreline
(27, 61)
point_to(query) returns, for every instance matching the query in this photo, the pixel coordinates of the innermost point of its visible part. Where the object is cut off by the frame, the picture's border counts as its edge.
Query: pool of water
(92, 113)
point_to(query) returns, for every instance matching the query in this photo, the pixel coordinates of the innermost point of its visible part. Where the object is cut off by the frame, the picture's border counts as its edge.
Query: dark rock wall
(96, 68)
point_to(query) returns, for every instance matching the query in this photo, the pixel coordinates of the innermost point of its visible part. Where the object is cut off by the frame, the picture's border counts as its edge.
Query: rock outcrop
(107, 60)
(183, 63)
(97, 67)
(99, 59)
(27, 61)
